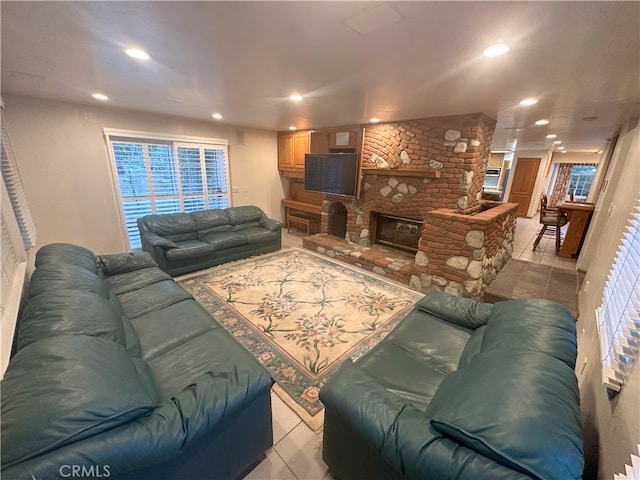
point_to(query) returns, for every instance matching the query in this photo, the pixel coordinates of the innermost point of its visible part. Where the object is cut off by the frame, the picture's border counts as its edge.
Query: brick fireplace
(429, 171)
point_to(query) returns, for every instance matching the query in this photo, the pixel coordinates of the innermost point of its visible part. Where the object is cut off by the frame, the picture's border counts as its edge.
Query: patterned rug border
(213, 302)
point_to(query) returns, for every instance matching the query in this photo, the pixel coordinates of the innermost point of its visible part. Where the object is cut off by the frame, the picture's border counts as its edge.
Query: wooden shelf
(402, 172)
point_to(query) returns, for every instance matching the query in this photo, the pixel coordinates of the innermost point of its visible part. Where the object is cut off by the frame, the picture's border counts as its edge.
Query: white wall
(611, 426)
(65, 169)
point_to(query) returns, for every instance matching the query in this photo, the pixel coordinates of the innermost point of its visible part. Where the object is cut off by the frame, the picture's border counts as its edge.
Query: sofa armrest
(401, 434)
(270, 224)
(125, 262)
(155, 240)
(156, 438)
(389, 424)
(460, 311)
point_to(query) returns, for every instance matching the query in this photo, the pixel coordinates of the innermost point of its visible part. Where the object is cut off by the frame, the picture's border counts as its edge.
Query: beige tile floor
(297, 450)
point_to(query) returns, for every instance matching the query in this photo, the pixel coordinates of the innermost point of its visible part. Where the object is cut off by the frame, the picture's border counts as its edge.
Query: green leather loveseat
(460, 390)
(119, 373)
(184, 242)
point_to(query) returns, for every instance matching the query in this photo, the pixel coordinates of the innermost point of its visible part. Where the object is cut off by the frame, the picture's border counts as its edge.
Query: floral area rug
(301, 315)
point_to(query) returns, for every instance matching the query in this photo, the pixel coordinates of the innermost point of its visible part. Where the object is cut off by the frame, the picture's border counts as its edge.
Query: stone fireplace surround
(433, 170)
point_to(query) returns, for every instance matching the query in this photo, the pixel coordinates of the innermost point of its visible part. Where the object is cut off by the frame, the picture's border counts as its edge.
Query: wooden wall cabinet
(345, 137)
(293, 145)
(291, 149)
(496, 160)
(319, 141)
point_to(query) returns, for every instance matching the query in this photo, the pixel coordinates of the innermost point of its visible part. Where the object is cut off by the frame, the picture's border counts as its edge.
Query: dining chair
(551, 219)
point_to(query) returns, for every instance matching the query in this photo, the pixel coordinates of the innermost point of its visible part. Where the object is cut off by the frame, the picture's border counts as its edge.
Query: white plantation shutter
(631, 470)
(216, 173)
(13, 184)
(166, 176)
(618, 318)
(17, 236)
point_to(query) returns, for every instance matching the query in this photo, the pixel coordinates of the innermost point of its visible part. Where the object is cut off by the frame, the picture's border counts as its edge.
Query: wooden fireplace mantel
(402, 172)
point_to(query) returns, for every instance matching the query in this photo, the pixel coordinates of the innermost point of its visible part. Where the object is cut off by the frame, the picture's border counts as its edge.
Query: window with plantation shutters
(618, 317)
(18, 236)
(163, 175)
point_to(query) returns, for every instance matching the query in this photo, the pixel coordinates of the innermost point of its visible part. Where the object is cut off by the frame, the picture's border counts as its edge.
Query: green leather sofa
(460, 390)
(184, 242)
(119, 373)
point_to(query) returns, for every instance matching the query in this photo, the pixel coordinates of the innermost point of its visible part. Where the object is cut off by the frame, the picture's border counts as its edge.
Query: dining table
(579, 216)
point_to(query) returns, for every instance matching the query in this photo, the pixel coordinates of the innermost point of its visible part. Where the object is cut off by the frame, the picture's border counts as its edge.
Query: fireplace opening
(397, 232)
(337, 220)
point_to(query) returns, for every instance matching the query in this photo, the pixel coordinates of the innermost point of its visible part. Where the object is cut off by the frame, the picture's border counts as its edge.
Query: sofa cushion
(63, 389)
(70, 312)
(259, 235)
(473, 347)
(213, 352)
(430, 340)
(244, 214)
(126, 282)
(188, 249)
(402, 374)
(170, 223)
(151, 298)
(131, 338)
(224, 240)
(66, 276)
(160, 333)
(460, 311)
(125, 262)
(211, 220)
(67, 253)
(532, 325)
(519, 409)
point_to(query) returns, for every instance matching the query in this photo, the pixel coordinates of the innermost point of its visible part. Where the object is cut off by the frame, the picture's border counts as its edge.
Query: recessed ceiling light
(562, 148)
(563, 151)
(217, 116)
(552, 135)
(374, 120)
(292, 128)
(528, 101)
(496, 50)
(543, 121)
(557, 142)
(100, 96)
(295, 97)
(137, 53)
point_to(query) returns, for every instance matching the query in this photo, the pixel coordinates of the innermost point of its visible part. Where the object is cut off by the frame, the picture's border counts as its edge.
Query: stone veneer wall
(457, 147)
(462, 254)
(432, 170)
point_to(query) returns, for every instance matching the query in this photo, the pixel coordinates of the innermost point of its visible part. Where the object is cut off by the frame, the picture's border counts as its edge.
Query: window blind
(12, 182)
(17, 234)
(618, 317)
(632, 469)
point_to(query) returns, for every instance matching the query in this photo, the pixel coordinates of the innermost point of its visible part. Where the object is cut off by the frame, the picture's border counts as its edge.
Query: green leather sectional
(460, 390)
(184, 242)
(119, 373)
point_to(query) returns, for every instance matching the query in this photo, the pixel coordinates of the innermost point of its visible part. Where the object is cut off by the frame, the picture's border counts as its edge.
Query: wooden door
(524, 181)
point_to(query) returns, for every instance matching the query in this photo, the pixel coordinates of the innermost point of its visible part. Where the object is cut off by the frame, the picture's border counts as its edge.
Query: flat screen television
(331, 173)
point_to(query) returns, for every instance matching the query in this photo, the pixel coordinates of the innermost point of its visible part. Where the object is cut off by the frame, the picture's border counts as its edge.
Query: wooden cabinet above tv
(291, 149)
(336, 140)
(293, 145)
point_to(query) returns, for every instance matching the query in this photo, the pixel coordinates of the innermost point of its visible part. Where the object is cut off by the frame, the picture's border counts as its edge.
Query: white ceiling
(243, 59)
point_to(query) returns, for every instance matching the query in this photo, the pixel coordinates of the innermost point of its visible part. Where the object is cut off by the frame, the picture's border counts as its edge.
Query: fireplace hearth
(397, 232)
